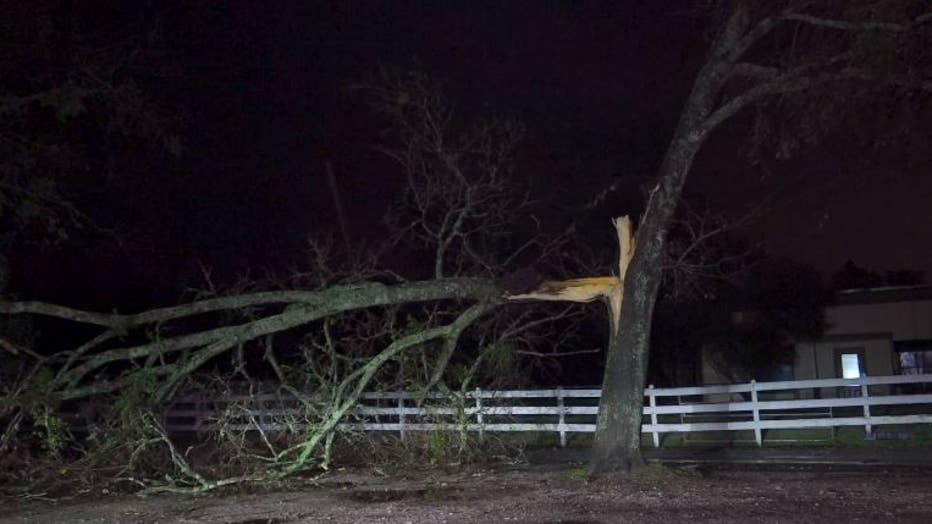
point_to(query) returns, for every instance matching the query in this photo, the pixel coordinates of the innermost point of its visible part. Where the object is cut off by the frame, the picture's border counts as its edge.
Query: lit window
(850, 365)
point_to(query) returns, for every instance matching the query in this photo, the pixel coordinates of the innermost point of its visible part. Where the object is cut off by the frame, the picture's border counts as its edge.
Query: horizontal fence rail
(752, 406)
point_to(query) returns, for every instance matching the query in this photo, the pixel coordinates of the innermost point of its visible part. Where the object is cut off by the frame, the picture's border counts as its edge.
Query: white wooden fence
(754, 406)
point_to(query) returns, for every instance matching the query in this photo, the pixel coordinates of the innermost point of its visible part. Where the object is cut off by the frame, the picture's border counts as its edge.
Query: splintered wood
(587, 289)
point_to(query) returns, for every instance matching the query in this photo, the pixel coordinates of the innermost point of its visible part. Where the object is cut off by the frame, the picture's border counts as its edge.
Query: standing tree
(868, 48)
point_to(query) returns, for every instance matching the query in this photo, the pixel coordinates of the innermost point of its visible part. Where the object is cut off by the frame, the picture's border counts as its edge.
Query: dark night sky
(599, 89)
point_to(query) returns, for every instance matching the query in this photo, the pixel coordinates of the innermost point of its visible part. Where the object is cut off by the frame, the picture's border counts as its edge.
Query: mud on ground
(557, 493)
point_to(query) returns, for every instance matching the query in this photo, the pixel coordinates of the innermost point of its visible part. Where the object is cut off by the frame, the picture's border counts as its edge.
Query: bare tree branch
(846, 25)
(212, 342)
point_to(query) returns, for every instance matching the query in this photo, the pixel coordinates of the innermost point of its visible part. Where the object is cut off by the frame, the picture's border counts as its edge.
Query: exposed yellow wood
(572, 290)
(587, 289)
(626, 244)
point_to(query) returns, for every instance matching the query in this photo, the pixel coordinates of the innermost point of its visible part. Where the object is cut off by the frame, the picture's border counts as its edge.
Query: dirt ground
(550, 493)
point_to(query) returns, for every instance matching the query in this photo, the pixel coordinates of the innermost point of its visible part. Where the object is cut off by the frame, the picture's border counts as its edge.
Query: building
(873, 332)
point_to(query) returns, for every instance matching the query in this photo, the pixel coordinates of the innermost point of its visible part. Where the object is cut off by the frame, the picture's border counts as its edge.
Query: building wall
(820, 359)
(865, 322)
(903, 320)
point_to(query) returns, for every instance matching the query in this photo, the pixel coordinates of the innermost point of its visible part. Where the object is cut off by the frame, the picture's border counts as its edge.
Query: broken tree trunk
(587, 289)
(619, 421)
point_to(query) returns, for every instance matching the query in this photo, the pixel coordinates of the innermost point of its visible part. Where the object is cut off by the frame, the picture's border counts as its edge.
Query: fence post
(401, 415)
(757, 431)
(561, 423)
(479, 418)
(653, 414)
(867, 408)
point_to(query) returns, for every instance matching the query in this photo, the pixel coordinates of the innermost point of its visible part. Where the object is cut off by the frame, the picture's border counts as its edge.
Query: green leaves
(50, 430)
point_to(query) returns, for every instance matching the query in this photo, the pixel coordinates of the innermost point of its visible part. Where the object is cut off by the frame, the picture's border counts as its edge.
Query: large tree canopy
(784, 53)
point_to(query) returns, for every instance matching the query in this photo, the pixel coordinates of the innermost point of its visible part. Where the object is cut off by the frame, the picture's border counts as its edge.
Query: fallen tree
(102, 366)
(344, 330)
(297, 308)
(105, 367)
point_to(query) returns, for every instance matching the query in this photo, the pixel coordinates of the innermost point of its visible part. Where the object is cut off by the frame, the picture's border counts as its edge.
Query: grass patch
(918, 435)
(577, 475)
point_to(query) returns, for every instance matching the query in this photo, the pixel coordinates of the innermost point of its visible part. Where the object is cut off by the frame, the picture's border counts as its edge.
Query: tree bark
(618, 429)
(301, 307)
(618, 433)
(617, 444)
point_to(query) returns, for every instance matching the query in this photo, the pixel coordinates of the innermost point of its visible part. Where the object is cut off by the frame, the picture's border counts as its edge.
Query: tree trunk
(618, 430)
(618, 434)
